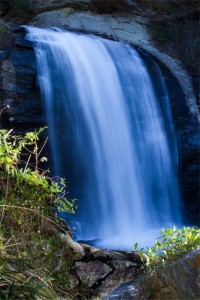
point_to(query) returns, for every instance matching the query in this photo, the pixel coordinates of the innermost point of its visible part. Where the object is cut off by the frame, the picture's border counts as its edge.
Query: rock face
(18, 82)
(180, 280)
(133, 29)
(127, 21)
(91, 272)
(118, 275)
(100, 269)
(124, 27)
(153, 7)
(104, 270)
(20, 90)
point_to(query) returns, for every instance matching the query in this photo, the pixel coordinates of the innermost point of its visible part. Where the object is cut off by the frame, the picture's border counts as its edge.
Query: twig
(27, 162)
(6, 107)
(42, 147)
(34, 211)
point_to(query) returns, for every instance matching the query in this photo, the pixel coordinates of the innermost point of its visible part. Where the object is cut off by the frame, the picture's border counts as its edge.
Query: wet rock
(128, 28)
(125, 27)
(117, 25)
(126, 291)
(91, 272)
(20, 88)
(120, 276)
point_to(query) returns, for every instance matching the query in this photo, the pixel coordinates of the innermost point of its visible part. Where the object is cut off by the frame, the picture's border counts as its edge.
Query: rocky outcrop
(20, 90)
(100, 269)
(129, 22)
(179, 280)
(118, 275)
(127, 28)
(134, 29)
(153, 8)
(18, 83)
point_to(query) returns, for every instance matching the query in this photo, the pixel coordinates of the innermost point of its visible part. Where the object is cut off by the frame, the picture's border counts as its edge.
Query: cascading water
(108, 135)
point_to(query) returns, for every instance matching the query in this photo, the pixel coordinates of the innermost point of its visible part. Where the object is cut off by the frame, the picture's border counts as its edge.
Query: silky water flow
(110, 137)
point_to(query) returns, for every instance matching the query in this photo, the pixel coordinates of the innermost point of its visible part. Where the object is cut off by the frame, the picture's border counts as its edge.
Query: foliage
(171, 245)
(24, 183)
(35, 262)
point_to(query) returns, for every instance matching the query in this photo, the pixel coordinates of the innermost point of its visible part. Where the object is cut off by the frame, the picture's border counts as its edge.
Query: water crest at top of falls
(109, 136)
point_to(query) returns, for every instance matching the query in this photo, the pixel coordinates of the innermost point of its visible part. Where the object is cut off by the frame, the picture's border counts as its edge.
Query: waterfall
(109, 136)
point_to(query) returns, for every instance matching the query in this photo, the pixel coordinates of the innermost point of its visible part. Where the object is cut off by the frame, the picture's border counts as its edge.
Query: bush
(34, 262)
(170, 246)
(23, 183)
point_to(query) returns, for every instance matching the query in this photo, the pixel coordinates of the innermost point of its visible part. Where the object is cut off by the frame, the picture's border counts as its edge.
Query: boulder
(101, 270)
(104, 270)
(179, 280)
(91, 272)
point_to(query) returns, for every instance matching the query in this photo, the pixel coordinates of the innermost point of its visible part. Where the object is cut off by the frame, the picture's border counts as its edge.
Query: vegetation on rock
(170, 246)
(34, 261)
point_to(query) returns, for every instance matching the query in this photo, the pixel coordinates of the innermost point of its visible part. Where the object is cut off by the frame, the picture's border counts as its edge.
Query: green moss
(68, 11)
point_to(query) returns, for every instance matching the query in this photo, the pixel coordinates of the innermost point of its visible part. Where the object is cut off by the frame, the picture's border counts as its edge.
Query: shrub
(170, 246)
(34, 262)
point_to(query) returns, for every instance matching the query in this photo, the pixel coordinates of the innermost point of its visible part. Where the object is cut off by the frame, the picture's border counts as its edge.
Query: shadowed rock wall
(126, 21)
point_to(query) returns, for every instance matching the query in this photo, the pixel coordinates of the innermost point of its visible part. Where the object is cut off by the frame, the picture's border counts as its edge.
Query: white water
(106, 126)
